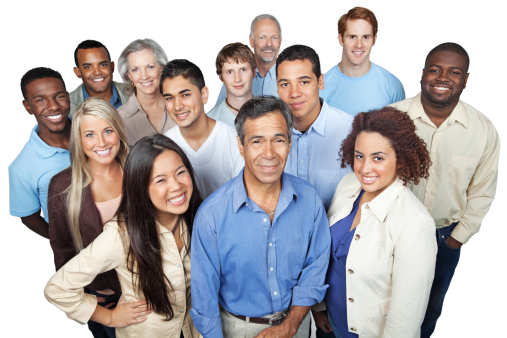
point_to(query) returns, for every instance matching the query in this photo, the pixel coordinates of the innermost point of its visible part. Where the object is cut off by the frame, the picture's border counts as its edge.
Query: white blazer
(391, 261)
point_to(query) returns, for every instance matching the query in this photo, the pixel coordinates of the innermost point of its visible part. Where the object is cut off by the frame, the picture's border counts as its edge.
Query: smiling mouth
(239, 87)
(182, 116)
(178, 200)
(146, 84)
(358, 53)
(441, 88)
(99, 79)
(54, 117)
(368, 180)
(103, 152)
(297, 105)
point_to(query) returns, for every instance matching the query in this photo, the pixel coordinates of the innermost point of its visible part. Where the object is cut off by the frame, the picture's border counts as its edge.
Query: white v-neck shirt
(218, 159)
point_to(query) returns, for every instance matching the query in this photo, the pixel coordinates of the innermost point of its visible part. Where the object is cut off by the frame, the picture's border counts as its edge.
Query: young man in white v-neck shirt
(210, 145)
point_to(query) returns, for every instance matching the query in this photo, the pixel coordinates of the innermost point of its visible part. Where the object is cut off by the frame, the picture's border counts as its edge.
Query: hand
(128, 313)
(453, 243)
(322, 321)
(280, 331)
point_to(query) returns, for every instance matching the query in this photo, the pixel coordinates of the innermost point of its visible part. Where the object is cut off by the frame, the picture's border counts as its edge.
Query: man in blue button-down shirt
(319, 130)
(260, 244)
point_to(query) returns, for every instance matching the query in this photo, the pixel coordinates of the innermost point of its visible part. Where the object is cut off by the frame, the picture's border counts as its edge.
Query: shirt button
(271, 269)
(275, 293)
(351, 300)
(182, 290)
(264, 220)
(357, 237)
(350, 271)
(181, 310)
(367, 206)
(270, 244)
(178, 266)
(353, 329)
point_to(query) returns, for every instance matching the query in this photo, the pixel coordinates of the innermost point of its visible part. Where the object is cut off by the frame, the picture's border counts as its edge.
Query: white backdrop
(36, 33)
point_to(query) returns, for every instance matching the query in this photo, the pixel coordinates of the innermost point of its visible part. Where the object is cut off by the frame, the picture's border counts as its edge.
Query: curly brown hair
(412, 157)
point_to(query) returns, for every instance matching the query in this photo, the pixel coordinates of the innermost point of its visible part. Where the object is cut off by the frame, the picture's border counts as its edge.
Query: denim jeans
(447, 260)
(98, 330)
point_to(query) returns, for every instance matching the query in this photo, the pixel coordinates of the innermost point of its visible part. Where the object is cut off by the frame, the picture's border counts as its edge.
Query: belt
(273, 320)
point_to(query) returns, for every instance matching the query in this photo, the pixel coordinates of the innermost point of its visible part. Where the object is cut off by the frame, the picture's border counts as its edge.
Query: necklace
(229, 105)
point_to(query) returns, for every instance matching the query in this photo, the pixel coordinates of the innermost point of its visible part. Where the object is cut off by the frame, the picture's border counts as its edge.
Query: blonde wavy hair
(82, 174)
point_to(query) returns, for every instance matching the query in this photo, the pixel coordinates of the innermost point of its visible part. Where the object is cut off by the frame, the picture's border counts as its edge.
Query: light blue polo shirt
(30, 173)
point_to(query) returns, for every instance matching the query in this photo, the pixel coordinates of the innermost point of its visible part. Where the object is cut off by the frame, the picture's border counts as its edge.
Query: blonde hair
(81, 171)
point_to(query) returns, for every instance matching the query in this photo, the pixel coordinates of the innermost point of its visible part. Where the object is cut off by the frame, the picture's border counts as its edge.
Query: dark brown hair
(412, 157)
(136, 213)
(355, 14)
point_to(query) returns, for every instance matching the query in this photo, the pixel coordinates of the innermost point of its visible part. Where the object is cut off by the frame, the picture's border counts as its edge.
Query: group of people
(298, 192)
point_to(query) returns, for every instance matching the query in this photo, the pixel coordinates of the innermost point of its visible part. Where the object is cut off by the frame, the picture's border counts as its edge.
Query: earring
(133, 85)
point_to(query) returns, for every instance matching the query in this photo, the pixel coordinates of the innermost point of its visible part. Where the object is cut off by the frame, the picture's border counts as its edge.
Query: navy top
(336, 296)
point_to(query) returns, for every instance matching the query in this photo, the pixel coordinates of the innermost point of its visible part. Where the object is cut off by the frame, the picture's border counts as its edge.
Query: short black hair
(300, 52)
(185, 68)
(259, 106)
(89, 44)
(452, 48)
(38, 73)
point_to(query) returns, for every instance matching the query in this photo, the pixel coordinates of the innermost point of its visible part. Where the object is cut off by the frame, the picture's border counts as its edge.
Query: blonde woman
(140, 66)
(83, 197)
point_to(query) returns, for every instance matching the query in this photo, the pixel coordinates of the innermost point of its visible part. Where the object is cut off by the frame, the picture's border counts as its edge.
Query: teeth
(368, 179)
(177, 199)
(103, 152)
(441, 88)
(54, 117)
(146, 84)
(98, 80)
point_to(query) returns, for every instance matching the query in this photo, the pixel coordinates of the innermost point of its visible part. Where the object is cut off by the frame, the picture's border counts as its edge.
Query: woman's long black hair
(136, 214)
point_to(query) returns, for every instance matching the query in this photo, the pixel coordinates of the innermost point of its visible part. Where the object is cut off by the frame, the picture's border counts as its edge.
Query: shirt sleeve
(60, 237)
(413, 270)
(311, 287)
(65, 288)
(398, 92)
(23, 195)
(481, 190)
(205, 277)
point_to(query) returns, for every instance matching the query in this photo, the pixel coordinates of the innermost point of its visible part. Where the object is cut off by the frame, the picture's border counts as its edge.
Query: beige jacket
(391, 261)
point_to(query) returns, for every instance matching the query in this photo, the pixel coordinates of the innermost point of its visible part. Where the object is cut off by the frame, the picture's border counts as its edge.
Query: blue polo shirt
(115, 99)
(30, 173)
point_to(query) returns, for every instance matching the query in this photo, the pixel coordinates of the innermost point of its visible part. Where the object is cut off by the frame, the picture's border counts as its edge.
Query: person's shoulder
(61, 180)
(334, 71)
(338, 114)
(214, 112)
(402, 105)
(408, 209)
(76, 96)
(218, 199)
(300, 185)
(385, 73)
(476, 114)
(173, 133)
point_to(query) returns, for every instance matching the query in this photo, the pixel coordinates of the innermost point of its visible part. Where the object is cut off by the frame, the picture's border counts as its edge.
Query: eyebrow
(44, 95)
(89, 63)
(373, 154)
(440, 66)
(304, 77)
(162, 175)
(180, 92)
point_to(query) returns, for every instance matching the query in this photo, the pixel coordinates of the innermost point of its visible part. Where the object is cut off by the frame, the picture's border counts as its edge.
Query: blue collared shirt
(250, 266)
(115, 99)
(30, 173)
(314, 156)
(260, 86)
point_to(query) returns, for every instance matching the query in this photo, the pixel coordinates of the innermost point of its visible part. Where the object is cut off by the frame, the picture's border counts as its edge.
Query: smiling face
(237, 78)
(144, 71)
(170, 186)
(95, 69)
(49, 102)
(184, 101)
(374, 163)
(265, 150)
(266, 41)
(444, 78)
(357, 42)
(298, 86)
(99, 140)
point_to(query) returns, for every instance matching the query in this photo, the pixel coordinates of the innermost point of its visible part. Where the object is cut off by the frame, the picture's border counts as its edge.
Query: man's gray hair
(136, 46)
(259, 106)
(262, 17)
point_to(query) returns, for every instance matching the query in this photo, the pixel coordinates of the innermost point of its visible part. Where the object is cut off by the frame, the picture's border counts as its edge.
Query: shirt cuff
(461, 234)
(308, 295)
(319, 307)
(208, 327)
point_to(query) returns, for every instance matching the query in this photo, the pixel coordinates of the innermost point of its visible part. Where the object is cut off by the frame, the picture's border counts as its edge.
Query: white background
(45, 33)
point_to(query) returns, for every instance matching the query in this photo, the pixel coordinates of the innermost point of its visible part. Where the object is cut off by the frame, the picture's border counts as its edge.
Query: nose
(102, 140)
(443, 76)
(268, 151)
(53, 104)
(173, 184)
(237, 77)
(359, 42)
(178, 103)
(294, 91)
(144, 74)
(366, 166)
(269, 42)
(97, 70)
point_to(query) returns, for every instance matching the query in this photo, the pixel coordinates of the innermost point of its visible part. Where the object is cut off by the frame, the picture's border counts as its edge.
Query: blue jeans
(447, 260)
(98, 330)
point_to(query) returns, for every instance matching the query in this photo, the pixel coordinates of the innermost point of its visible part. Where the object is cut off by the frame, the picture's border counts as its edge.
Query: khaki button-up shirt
(464, 152)
(107, 251)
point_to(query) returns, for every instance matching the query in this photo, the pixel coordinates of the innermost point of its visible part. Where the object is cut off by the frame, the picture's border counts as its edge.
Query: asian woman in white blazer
(383, 238)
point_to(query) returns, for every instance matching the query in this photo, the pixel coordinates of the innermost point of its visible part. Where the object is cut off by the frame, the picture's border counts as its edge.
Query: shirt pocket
(382, 256)
(461, 169)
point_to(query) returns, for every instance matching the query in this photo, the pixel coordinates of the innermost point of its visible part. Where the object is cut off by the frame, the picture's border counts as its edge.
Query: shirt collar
(41, 148)
(240, 197)
(459, 113)
(114, 99)
(319, 125)
(133, 106)
(271, 73)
